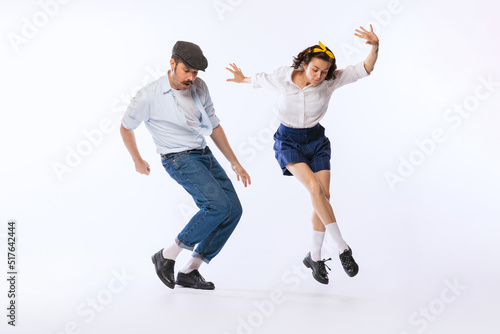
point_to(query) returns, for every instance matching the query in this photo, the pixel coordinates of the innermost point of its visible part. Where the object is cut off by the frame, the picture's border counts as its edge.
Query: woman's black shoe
(350, 266)
(318, 268)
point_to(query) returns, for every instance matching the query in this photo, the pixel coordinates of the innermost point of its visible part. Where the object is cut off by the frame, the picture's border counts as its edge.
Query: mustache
(187, 82)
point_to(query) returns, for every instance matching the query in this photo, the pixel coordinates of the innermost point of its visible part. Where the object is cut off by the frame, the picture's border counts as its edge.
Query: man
(178, 112)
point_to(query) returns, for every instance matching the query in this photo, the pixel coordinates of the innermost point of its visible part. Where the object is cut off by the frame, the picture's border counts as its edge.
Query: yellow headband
(323, 49)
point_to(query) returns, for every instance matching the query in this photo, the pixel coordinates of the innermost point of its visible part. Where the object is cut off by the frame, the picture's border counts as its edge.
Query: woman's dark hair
(308, 54)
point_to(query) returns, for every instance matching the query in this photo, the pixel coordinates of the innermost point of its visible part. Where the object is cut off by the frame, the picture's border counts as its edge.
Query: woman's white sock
(317, 243)
(333, 230)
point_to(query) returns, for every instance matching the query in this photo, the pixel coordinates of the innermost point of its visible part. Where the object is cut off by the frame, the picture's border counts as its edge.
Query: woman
(301, 147)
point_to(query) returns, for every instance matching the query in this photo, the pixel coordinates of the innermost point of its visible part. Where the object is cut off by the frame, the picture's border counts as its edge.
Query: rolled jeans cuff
(183, 245)
(199, 256)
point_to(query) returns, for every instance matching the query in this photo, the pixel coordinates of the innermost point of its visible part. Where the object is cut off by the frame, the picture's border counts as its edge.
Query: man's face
(182, 76)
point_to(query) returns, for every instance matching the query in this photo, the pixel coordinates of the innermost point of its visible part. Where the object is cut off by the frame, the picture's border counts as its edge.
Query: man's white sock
(193, 264)
(172, 251)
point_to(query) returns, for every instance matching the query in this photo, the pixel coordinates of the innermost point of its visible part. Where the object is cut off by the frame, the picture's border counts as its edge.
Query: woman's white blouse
(304, 108)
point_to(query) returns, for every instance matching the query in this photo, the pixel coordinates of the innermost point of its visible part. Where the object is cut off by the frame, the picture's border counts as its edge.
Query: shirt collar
(165, 84)
(289, 74)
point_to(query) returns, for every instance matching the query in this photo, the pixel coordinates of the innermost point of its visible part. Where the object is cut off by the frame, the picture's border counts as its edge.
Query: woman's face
(316, 71)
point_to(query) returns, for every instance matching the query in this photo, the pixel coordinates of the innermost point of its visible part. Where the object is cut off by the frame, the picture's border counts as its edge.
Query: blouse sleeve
(350, 74)
(265, 80)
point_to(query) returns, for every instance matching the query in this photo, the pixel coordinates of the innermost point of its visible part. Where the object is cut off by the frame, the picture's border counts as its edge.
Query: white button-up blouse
(304, 108)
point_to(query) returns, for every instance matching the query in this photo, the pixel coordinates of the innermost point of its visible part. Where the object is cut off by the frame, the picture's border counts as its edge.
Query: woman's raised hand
(369, 36)
(238, 75)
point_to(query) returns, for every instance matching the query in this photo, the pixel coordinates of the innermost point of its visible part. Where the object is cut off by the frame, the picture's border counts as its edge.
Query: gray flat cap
(190, 54)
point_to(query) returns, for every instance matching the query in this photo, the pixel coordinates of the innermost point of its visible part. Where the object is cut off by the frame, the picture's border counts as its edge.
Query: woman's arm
(372, 40)
(272, 81)
(238, 75)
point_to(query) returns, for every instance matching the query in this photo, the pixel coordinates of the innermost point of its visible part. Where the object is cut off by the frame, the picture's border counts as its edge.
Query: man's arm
(220, 140)
(128, 137)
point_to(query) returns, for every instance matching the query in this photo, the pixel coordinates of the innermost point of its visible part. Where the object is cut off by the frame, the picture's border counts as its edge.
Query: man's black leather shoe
(164, 269)
(318, 268)
(194, 280)
(350, 266)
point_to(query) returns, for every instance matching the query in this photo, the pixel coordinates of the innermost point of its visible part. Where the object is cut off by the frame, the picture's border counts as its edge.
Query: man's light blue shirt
(156, 106)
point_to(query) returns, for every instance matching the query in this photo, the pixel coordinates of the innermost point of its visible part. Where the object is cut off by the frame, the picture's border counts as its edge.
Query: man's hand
(142, 167)
(242, 174)
(220, 140)
(128, 136)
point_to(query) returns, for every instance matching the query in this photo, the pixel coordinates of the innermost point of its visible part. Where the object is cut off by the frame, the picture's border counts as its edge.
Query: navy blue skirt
(310, 146)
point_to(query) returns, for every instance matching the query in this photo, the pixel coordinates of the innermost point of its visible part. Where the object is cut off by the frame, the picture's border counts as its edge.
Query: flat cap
(190, 54)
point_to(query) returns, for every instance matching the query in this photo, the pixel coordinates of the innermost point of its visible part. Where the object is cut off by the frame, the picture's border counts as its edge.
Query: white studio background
(415, 168)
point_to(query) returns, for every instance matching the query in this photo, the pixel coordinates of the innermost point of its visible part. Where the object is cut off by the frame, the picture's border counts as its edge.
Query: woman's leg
(323, 178)
(332, 229)
(317, 224)
(322, 213)
(318, 233)
(320, 203)
(316, 183)
(348, 262)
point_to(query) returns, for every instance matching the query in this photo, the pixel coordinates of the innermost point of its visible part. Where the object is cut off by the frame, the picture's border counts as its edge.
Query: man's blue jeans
(220, 210)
